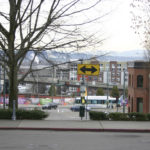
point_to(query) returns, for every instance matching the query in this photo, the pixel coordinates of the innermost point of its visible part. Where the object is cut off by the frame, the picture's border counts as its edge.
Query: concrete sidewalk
(76, 125)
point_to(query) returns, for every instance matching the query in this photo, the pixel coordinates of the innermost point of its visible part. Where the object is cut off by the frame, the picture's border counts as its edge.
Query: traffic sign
(88, 69)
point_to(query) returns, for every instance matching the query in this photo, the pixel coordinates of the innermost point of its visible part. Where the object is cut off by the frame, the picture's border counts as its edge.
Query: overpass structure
(70, 83)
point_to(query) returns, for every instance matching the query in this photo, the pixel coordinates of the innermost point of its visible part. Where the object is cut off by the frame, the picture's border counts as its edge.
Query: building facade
(139, 87)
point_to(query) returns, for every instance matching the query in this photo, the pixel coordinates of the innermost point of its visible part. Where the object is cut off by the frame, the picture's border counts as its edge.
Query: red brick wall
(134, 92)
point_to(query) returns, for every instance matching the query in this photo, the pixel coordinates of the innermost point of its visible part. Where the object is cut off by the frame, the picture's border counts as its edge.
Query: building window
(132, 105)
(113, 74)
(139, 81)
(132, 80)
(113, 66)
(118, 79)
(118, 74)
(118, 65)
(113, 69)
(101, 79)
(140, 104)
(113, 79)
(129, 79)
(119, 69)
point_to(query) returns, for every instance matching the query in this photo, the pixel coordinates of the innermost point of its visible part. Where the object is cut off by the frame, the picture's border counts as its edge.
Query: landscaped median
(117, 116)
(23, 114)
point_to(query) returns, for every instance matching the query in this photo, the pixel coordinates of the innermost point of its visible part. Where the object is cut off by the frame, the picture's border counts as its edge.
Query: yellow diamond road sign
(88, 69)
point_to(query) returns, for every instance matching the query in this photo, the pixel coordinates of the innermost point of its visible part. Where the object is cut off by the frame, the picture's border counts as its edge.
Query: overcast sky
(115, 27)
(121, 36)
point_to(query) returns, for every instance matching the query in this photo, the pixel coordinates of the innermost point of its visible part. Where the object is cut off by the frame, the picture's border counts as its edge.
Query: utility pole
(123, 90)
(82, 90)
(4, 88)
(53, 83)
(0, 83)
(37, 84)
(149, 91)
(107, 89)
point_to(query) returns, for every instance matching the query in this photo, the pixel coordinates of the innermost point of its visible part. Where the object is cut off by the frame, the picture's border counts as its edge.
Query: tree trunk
(13, 85)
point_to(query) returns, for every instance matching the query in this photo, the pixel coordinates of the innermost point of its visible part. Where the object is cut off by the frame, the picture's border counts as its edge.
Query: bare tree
(39, 25)
(141, 23)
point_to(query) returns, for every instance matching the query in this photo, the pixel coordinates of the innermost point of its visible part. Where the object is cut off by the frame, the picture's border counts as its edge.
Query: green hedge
(138, 116)
(117, 116)
(23, 114)
(148, 117)
(5, 114)
(97, 115)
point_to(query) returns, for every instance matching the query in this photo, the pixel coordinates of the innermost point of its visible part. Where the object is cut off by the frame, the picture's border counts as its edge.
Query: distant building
(112, 73)
(139, 87)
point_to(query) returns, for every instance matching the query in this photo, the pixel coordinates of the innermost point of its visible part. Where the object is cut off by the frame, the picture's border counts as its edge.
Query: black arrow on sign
(84, 69)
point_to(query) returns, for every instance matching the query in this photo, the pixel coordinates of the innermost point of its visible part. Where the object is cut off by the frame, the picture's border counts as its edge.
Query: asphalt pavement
(76, 125)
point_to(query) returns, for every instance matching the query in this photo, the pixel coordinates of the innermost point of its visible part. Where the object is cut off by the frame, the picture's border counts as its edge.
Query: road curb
(128, 130)
(78, 129)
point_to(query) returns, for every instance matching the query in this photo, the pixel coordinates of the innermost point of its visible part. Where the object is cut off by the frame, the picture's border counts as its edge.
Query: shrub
(5, 114)
(118, 116)
(97, 115)
(148, 117)
(132, 116)
(138, 116)
(23, 114)
(31, 114)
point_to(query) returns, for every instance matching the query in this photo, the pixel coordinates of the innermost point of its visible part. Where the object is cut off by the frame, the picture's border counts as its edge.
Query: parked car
(77, 108)
(50, 106)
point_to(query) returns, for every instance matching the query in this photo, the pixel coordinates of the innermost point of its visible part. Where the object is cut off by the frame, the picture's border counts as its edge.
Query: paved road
(64, 113)
(51, 140)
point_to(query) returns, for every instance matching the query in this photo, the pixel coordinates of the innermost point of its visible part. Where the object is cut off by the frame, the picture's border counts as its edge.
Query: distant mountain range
(133, 55)
(57, 57)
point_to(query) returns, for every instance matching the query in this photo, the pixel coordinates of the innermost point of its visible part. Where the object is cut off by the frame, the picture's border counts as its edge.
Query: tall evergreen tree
(115, 92)
(100, 92)
(52, 90)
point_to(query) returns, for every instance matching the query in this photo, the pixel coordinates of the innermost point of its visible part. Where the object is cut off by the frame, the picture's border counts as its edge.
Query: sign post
(88, 70)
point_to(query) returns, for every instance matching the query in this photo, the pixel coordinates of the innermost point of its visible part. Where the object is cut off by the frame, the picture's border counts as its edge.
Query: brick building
(139, 87)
